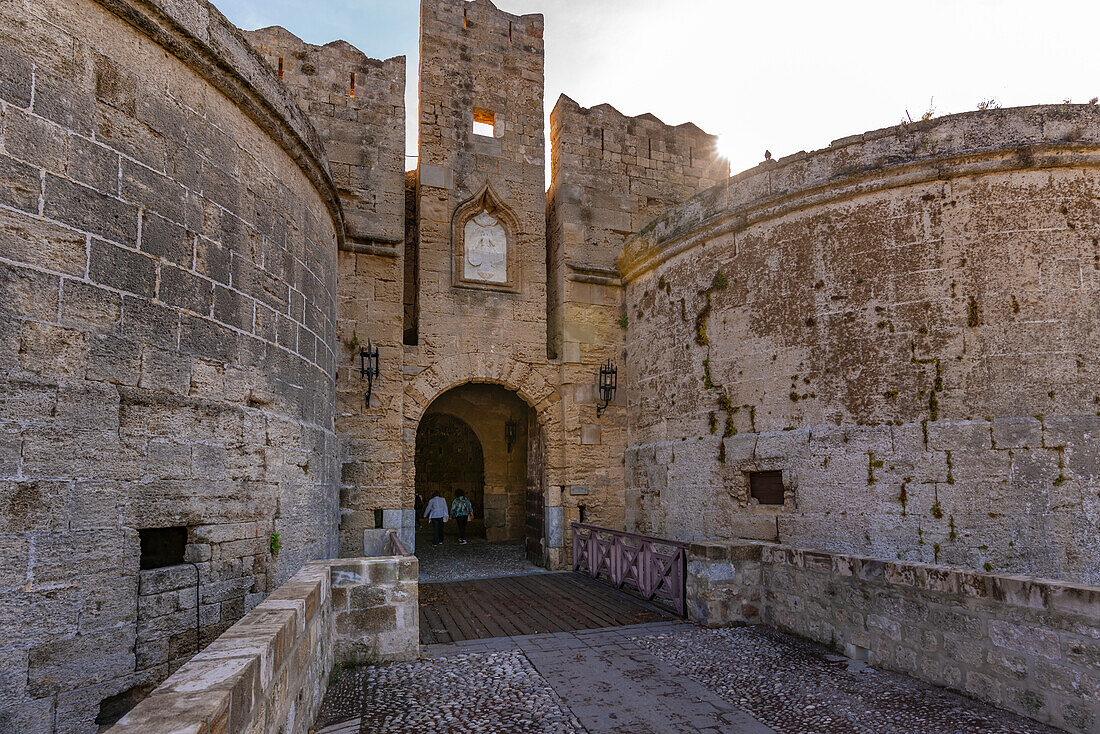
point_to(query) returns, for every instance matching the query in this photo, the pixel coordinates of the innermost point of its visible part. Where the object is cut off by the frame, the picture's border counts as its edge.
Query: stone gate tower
(480, 215)
(475, 303)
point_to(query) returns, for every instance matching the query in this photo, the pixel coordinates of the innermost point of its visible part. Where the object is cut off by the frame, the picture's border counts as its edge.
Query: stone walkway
(475, 560)
(665, 677)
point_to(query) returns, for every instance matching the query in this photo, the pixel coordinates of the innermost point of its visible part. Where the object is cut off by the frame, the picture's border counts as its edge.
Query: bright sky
(784, 75)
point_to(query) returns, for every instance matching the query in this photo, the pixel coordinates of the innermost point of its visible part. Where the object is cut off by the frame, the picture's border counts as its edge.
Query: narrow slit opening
(353, 84)
(280, 67)
(464, 19)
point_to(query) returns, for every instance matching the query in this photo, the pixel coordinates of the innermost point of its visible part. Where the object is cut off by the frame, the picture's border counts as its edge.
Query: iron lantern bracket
(608, 382)
(510, 433)
(368, 368)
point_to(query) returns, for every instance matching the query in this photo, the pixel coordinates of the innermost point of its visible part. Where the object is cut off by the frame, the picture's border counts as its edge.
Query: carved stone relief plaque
(486, 250)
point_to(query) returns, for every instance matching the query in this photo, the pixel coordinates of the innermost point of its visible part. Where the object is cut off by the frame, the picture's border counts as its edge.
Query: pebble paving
(475, 560)
(663, 677)
(482, 692)
(797, 687)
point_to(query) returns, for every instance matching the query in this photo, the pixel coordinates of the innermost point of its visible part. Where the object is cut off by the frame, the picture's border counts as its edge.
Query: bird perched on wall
(767, 155)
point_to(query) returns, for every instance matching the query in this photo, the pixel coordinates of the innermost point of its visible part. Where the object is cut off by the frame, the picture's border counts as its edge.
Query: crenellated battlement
(610, 174)
(357, 105)
(603, 139)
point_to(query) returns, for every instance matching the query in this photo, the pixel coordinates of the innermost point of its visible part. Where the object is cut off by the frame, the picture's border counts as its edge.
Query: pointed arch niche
(483, 240)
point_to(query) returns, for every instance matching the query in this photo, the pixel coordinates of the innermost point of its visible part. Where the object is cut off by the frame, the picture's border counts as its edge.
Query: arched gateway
(482, 439)
(511, 411)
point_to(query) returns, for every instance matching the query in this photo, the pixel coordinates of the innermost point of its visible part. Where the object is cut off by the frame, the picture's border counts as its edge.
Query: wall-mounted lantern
(368, 367)
(608, 382)
(510, 433)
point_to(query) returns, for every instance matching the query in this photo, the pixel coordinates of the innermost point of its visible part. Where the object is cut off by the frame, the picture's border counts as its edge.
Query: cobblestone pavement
(475, 560)
(497, 691)
(663, 677)
(799, 687)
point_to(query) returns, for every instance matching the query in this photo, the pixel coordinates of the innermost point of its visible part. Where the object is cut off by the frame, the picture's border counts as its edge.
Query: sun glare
(727, 147)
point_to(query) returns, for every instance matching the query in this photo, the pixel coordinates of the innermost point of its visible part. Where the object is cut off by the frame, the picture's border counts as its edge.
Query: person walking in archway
(461, 509)
(436, 512)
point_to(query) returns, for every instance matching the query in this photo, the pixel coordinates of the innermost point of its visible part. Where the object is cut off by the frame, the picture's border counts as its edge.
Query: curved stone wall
(168, 239)
(904, 324)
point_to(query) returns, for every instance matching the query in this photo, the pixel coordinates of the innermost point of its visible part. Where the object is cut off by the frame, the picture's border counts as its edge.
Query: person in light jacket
(436, 512)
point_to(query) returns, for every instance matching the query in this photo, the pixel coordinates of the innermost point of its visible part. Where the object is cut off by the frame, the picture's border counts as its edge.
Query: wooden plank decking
(525, 605)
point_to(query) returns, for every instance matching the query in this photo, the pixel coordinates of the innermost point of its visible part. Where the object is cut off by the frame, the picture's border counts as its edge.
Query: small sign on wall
(576, 489)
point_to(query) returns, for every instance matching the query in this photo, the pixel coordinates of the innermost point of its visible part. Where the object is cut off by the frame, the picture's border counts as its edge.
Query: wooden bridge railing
(394, 546)
(657, 568)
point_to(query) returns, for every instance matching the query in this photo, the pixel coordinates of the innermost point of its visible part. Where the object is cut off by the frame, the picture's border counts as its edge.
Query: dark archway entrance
(449, 459)
(484, 439)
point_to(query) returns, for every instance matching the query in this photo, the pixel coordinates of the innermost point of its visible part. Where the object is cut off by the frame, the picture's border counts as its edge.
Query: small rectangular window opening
(601, 140)
(378, 518)
(582, 509)
(766, 487)
(485, 123)
(162, 547)
(509, 31)
(353, 85)
(464, 19)
(280, 67)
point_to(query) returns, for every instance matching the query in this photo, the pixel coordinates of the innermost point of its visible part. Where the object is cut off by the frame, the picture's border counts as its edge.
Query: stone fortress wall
(168, 238)
(198, 237)
(363, 130)
(610, 174)
(904, 324)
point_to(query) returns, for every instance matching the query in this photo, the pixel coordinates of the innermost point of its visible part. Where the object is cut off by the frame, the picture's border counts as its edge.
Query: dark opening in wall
(280, 67)
(582, 509)
(113, 708)
(766, 487)
(162, 547)
(352, 94)
(377, 518)
(410, 298)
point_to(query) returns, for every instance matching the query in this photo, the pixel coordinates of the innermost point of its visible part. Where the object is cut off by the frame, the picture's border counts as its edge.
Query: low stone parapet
(1025, 644)
(269, 671)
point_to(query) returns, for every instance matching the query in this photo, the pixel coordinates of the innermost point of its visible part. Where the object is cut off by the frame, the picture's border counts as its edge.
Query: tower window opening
(353, 85)
(464, 19)
(485, 123)
(509, 31)
(766, 487)
(691, 157)
(602, 140)
(280, 67)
